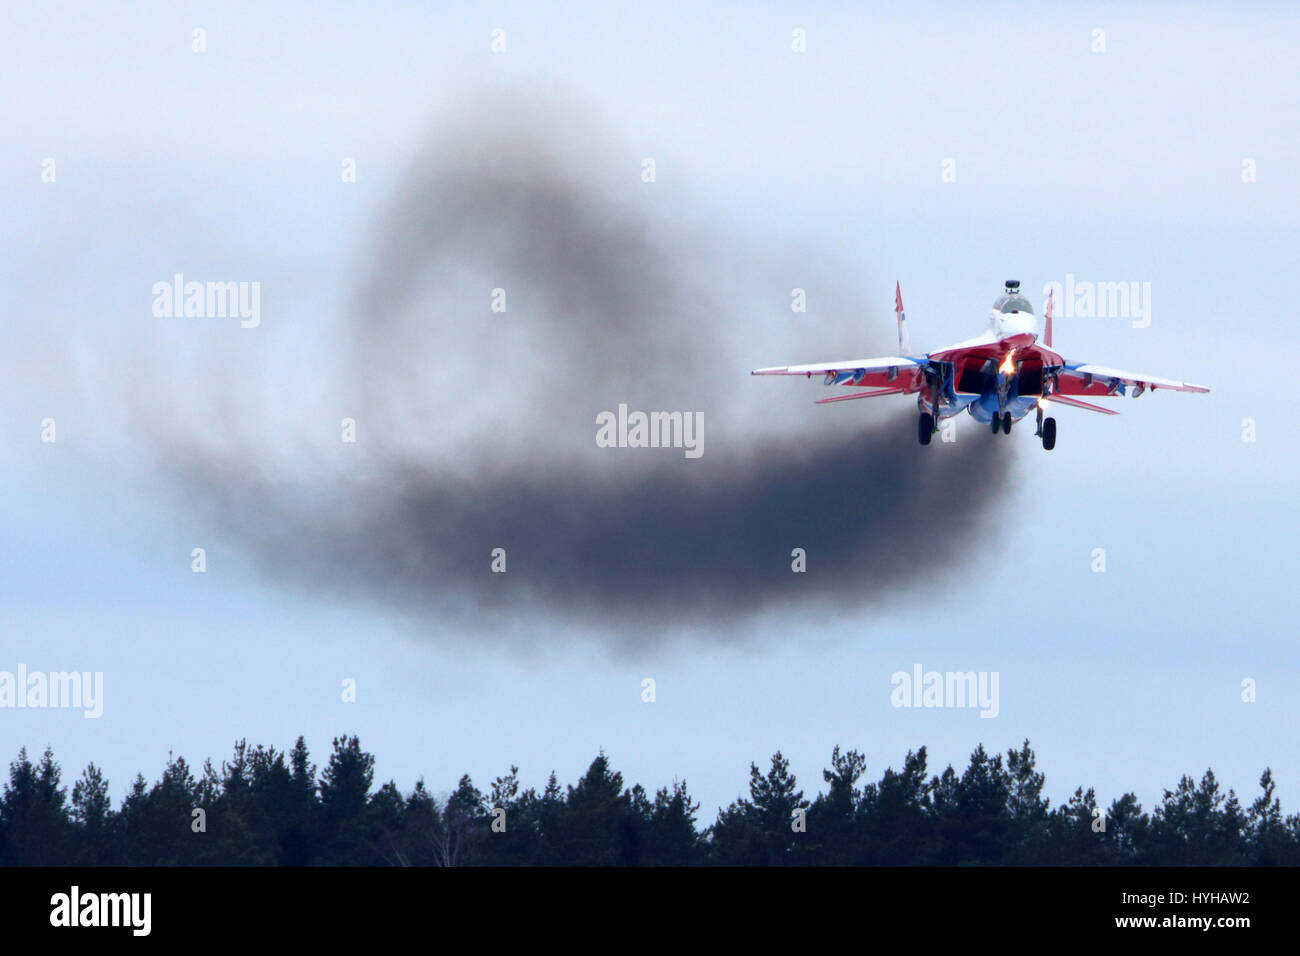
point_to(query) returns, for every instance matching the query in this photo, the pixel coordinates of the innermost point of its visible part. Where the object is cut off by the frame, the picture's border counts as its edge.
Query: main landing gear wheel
(1006, 423)
(1049, 434)
(925, 428)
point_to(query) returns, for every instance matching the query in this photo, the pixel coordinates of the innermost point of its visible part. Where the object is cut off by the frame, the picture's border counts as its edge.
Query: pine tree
(1128, 832)
(520, 842)
(760, 831)
(34, 827)
(344, 793)
(1190, 829)
(421, 828)
(672, 838)
(92, 813)
(835, 825)
(462, 825)
(598, 827)
(1074, 837)
(898, 819)
(1266, 830)
(1029, 811)
(979, 823)
(386, 819)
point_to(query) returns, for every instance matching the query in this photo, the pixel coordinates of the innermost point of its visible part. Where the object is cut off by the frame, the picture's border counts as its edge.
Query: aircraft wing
(1075, 403)
(898, 373)
(1085, 379)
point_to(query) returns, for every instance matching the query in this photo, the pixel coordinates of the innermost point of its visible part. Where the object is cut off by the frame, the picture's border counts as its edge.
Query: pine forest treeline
(267, 807)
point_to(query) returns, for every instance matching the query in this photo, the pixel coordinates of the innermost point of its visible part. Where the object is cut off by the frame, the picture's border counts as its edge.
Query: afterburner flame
(1008, 365)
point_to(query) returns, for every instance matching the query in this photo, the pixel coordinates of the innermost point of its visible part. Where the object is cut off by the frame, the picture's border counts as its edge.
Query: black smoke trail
(476, 430)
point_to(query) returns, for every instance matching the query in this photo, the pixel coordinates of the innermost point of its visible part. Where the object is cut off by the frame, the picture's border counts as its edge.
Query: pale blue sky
(1123, 165)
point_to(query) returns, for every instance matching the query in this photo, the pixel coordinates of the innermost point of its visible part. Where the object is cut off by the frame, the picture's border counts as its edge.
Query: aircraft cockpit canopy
(1013, 301)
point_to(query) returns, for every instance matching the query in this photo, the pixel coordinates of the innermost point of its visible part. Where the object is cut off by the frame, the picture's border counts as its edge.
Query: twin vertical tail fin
(1047, 319)
(904, 341)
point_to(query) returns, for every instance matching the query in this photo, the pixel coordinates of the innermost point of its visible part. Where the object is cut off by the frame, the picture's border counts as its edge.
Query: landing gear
(925, 428)
(1006, 423)
(928, 423)
(995, 424)
(1049, 434)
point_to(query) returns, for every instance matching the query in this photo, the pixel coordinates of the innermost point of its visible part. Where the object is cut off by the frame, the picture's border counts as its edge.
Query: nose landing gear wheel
(925, 428)
(1049, 434)
(1006, 423)
(996, 423)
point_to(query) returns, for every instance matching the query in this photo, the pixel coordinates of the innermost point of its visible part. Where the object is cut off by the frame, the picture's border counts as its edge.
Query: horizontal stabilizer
(867, 365)
(845, 398)
(1066, 400)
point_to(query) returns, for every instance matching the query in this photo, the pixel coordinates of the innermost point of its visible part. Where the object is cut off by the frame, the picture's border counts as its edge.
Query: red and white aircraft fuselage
(999, 377)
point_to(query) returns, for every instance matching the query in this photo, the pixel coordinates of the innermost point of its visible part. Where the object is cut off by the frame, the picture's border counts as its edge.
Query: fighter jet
(999, 377)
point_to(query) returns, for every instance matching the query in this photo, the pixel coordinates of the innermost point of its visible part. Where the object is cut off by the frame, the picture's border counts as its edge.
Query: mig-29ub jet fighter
(999, 376)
